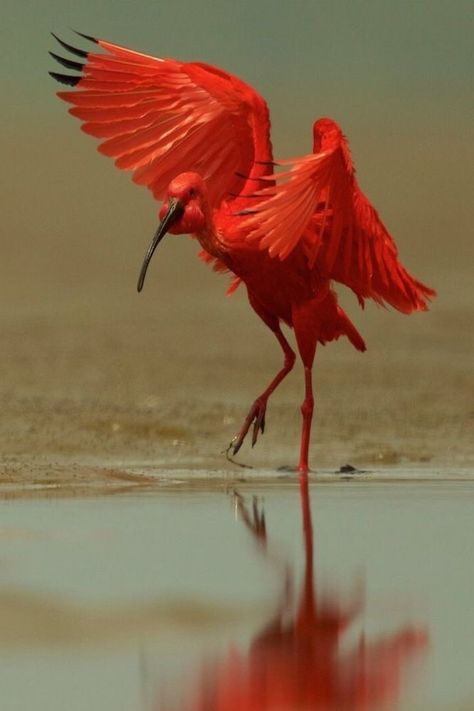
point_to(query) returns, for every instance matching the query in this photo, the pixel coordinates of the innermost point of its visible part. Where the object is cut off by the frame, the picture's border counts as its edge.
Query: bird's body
(199, 139)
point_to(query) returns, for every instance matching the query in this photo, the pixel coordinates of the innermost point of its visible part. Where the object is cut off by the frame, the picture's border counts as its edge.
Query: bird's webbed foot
(256, 416)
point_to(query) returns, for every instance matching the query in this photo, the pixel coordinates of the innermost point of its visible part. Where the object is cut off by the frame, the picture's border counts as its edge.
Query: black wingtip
(87, 37)
(262, 178)
(65, 78)
(74, 50)
(266, 162)
(68, 63)
(242, 213)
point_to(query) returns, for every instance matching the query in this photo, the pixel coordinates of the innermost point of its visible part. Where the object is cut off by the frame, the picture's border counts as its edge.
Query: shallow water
(357, 596)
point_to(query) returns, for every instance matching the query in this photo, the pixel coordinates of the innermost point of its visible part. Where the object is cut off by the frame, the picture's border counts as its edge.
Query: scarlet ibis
(199, 139)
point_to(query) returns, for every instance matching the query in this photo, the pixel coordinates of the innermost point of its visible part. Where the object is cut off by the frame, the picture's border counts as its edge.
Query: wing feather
(318, 204)
(160, 117)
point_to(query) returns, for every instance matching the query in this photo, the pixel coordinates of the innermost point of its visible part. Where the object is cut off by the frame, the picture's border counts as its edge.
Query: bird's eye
(191, 192)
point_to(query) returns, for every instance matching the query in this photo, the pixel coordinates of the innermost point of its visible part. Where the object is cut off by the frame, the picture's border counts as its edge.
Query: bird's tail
(348, 329)
(334, 322)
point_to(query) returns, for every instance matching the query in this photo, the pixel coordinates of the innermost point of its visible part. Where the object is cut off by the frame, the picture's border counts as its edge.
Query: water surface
(355, 596)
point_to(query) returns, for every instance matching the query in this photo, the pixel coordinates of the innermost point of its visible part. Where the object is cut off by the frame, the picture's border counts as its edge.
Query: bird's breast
(276, 284)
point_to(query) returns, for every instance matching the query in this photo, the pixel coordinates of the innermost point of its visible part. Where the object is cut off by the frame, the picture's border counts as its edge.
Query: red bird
(199, 139)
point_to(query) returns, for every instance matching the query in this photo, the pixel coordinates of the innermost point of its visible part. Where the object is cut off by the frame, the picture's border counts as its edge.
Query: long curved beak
(175, 210)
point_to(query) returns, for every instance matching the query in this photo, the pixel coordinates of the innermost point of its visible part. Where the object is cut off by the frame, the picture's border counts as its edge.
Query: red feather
(161, 117)
(318, 204)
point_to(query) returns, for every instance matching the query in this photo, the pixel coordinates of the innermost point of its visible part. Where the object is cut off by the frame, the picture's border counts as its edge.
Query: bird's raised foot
(256, 416)
(228, 456)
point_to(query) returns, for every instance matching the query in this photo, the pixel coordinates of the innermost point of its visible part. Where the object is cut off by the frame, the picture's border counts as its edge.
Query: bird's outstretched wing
(318, 205)
(161, 117)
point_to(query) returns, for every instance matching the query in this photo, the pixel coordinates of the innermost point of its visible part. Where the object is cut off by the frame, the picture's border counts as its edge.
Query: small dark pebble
(349, 469)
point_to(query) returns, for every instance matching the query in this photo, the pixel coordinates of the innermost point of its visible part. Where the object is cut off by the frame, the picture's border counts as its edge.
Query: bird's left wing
(317, 204)
(307, 186)
(161, 117)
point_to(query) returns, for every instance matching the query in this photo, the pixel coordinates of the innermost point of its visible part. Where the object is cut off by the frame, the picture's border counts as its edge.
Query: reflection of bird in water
(297, 662)
(199, 139)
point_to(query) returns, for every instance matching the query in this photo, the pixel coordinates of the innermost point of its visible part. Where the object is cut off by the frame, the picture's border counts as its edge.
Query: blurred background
(93, 373)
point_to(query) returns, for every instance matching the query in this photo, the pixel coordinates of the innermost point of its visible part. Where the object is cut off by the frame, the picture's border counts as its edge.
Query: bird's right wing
(317, 204)
(161, 117)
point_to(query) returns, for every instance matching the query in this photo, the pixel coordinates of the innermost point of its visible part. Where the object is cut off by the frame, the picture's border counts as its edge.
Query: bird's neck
(210, 240)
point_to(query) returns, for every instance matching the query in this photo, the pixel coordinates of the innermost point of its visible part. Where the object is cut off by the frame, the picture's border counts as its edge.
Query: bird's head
(184, 211)
(326, 135)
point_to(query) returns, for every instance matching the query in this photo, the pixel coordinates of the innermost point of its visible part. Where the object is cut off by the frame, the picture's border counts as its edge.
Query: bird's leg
(256, 414)
(306, 322)
(307, 411)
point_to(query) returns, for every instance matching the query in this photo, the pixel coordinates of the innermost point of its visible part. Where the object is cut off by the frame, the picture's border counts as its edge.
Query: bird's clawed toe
(235, 444)
(231, 450)
(256, 416)
(258, 425)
